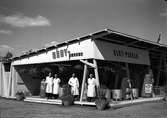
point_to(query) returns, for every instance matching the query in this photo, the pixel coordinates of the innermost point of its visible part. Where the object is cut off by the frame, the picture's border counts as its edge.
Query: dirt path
(16, 109)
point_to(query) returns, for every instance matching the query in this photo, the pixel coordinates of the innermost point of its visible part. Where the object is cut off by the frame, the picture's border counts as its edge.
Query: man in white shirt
(91, 92)
(56, 85)
(74, 83)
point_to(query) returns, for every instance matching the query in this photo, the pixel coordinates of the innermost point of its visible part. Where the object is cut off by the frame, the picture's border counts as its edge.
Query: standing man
(56, 82)
(49, 84)
(74, 83)
(91, 92)
(126, 88)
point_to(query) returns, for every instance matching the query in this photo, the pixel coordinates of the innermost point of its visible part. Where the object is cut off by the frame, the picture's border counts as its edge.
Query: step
(112, 103)
(85, 103)
(41, 100)
(135, 101)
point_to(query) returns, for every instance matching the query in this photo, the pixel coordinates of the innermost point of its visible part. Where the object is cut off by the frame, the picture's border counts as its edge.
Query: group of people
(52, 85)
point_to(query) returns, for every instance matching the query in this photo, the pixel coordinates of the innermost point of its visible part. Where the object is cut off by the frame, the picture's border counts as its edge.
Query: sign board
(89, 49)
(74, 51)
(114, 52)
(148, 88)
(65, 53)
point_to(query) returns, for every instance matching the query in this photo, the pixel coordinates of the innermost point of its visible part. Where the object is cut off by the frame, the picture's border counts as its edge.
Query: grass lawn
(20, 109)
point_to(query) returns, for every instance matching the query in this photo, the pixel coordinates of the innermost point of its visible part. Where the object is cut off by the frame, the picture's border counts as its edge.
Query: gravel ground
(20, 109)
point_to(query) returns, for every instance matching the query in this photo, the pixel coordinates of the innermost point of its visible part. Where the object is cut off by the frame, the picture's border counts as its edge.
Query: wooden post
(10, 81)
(127, 70)
(165, 70)
(83, 82)
(88, 63)
(116, 80)
(159, 71)
(96, 72)
(128, 75)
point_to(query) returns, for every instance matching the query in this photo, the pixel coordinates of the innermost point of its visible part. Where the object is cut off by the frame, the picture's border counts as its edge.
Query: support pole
(165, 69)
(128, 75)
(10, 82)
(127, 70)
(83, 82)
(88, 63)
(116, 80)
(96, 73)
(159, 70)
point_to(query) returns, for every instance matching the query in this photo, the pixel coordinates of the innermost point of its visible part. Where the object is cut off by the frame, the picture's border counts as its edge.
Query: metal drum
(135, 92)
(117, 94)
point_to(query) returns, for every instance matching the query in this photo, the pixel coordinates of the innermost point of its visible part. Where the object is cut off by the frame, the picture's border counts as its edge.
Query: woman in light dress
(49, 84)
(74, 83)
(56, 85)
(91, 92)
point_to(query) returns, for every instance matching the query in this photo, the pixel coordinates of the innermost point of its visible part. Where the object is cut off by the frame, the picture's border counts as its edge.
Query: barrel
(117, 94)
(157, 90)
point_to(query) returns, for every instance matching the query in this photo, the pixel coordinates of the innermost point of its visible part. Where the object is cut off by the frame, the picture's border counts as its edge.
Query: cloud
(5, 31)
(6, 47)
(24, 21)
(51, 44)
(164, 13)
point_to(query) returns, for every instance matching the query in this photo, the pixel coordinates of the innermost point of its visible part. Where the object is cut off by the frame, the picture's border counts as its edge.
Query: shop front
(110, 56)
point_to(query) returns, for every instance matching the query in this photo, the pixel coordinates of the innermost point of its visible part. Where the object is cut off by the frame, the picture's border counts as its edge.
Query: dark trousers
(55, 96)
(91, 99)
(75, 97)
(49, 95)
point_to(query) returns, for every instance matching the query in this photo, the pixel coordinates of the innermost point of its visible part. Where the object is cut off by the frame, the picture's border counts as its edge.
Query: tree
(5, 58)
(8, 55)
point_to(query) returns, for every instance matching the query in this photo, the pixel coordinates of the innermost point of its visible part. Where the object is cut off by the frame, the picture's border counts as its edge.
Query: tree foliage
(8, 56)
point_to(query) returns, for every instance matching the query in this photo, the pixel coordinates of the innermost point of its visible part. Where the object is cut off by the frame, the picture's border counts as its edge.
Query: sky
(33, 24)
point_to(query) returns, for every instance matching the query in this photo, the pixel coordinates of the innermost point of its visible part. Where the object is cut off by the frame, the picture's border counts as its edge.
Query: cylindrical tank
(117, 94)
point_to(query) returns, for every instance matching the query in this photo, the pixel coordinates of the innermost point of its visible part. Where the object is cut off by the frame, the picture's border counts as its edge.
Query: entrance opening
(111, 74)
(30, 76)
